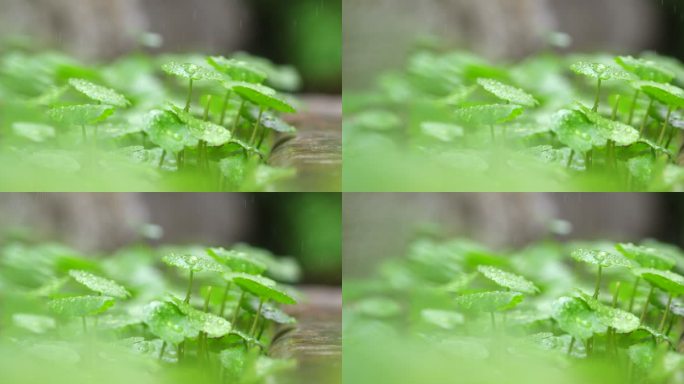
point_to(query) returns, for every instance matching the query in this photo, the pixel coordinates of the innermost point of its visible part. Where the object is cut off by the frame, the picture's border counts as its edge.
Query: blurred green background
(305, 226)
(304, 33)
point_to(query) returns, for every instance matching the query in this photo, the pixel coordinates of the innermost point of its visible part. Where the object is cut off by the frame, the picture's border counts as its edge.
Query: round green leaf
(600, 258)
(479, 115)
(621, 321)
(100, 284)
(214, 134)
(574, 130)
(81, 114)
(645, 69)
(193, 263)
(237, 261)
(665, 93)
(508, 93)
(447, 320)
(508, 280)
(489, 301)
(599, 71)
(622, 134)
(190, 71)
(237, 70)
(34, 132)
(99, 93)
(80, 306)
(378, 307)
(214, 326)
(263, 96)
(646, 257)
(442, 131)
(667, 281)
(168, 323)
(233, 361)
(34, 323)
(263, 287)
(165, 130)
(576, 318)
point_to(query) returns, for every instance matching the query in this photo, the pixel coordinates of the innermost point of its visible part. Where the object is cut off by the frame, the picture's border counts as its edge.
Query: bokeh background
(378, 226)
(303, 33)
(378, 35)
(306, 226)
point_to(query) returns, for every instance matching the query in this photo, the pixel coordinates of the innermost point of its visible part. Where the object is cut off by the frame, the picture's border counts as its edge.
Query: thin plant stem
(161, 351)
(223, 300)
(615, 107)
(493, 318)
(664, 128)
(224, 108)
(256, 126)
(252, 330)
(83, 133)
(207, 299)
(85, 324)
(631, 109)
(237, 309)
(634, 291)
(570, 158)
(187, 103)
(616, 294)
(572, 344)
(645, 310)
(161, 160)
(645, 120)
(598, 96)
(598, 283)
(187, 295)
(667, 312)
(236, 122)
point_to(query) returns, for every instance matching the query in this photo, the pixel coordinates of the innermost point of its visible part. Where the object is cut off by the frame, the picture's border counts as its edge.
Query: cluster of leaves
(62, 310)
(74, 126)
(563, 307)
(454, 121)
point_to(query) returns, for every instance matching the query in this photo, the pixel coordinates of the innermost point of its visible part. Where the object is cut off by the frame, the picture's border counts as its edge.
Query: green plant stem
(161, 160)
(570, 158)
(645, 120)
(631, 109)
(664, 128)
(252, 330)
(634, 291)
(616, 294)
(187, 103)
(83, 133)
(223, 300)
(598, 283)
(85, 324)
(256, 126)
(236, 122)
(667, 312)
(237, 309)
(224, 108)
(615, 108)
(161, 351)
(645, 310)
(491, 132)
(572, 344)
(491, 316)
(187, 295)
(598, 96)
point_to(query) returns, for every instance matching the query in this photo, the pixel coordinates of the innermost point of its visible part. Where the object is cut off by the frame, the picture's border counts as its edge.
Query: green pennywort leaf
(99, 93)
(508, 93)
(667, 281)
(263, 288)
(489, 301)
(99, 284)
(508, 280)
(646, 257)
(262, 96)
(190, 71)
(193, 263)
(599, 71)
(80, 306)
(600, 258)
(645, 69)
